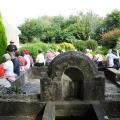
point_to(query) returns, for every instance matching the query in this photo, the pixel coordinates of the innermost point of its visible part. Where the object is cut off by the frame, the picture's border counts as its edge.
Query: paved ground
(31, 87)
(112, 91)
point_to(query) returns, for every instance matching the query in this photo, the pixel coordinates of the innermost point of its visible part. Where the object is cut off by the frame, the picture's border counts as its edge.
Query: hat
(12, 41)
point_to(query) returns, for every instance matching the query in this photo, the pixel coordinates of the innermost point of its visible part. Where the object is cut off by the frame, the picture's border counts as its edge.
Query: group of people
(42, 60)
(13, 64)
(111, 59)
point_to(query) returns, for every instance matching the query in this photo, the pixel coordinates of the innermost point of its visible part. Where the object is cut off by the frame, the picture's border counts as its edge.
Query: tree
(112, 20)
(29, 30)
(87, 24)
(3, 39)
(109, 39)
(59, 29)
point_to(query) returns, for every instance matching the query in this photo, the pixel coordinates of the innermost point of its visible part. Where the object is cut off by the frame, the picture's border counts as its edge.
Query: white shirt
(40, 58)
(27, 58)
(110, 59)
(99, 57)
(9, 68)
(5, 83)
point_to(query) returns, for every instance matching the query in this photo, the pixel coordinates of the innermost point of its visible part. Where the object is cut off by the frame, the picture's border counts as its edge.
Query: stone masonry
(76, 72)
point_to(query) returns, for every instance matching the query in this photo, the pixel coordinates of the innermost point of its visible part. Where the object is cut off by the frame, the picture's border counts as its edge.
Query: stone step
(15, 118)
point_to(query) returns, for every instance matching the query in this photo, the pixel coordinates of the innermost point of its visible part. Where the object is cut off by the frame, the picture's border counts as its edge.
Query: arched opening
(72, 84)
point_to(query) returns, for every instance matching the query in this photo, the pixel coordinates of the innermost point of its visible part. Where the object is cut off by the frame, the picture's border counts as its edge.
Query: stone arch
(72, 59)
(72, 83)
(93, 82)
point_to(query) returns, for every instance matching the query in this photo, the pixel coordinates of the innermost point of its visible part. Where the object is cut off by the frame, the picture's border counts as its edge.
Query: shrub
(3, 39)
(33, 48)
(35, 40)
(103, 50)
(80, 45)
(110, 38)
(118, 44)
(91, 44)
(66, 46)
(53, 47)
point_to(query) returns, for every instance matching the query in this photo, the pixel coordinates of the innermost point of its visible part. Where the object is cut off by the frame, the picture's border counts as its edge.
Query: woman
(21, 60)
(40, 60)
(27, 58)
(8, 67)
(16, 64)
(50, 55)
(3, 81)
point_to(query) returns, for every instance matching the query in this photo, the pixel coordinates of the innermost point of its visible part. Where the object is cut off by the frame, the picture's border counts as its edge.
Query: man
(11, 47)
(110, 59)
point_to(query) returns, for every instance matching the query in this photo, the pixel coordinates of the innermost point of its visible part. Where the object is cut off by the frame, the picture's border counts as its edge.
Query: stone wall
(112, 108)
(92, 82)
(21, 110)
(74, 110)
(34, 72)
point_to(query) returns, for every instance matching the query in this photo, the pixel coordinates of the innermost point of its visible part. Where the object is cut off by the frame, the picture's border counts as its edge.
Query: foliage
(30, 29)
(14, 90)
(80, 45)
(112, 20)
(91, 44)
(66, 46)
(59, 29)
(103, 50)
(33, 48)
(118, 44)
(109, 39)
(88, 24)
(3, 39)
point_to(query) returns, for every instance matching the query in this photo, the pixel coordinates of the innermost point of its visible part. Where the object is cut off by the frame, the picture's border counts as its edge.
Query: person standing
(11, 47)
(27, 58)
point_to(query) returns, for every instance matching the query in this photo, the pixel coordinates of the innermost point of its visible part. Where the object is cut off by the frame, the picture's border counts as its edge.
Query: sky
(16, 11)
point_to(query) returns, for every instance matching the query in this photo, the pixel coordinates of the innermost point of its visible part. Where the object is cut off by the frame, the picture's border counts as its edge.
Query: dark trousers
(39, 64)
